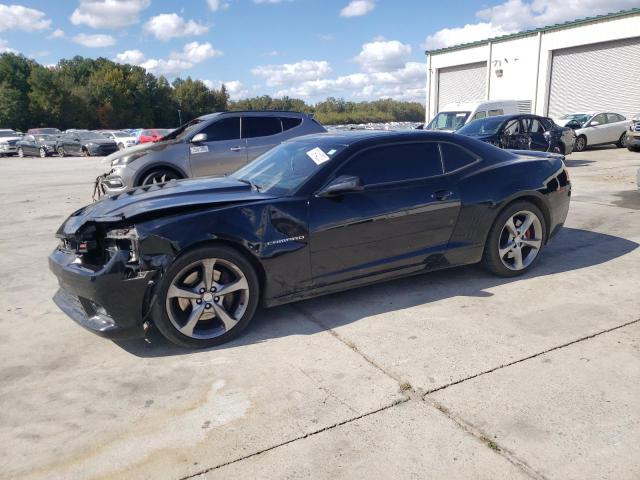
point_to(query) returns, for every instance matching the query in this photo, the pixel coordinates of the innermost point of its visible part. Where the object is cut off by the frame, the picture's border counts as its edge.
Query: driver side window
(224, 129)
(395, 163)
(600, 118)
(512, 128)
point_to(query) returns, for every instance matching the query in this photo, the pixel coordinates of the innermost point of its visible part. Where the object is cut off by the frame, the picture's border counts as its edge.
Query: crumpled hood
(202, 192)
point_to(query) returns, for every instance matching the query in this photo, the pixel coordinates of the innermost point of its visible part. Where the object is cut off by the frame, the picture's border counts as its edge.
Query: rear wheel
(159, 176)
(515, 240)
(61, 152)
(622, 142)
(120, 146)
(84, 152)
(207, 297)
(581, 143)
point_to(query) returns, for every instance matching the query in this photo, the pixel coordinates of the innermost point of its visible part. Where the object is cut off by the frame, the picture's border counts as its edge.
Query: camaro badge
(285, 240)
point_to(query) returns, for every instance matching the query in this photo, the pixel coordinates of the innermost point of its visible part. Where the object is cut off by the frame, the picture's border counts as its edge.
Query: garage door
(601, 77)
(463, 83)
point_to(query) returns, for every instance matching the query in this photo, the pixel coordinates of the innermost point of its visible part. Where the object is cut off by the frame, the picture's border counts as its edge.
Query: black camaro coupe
(315, 215)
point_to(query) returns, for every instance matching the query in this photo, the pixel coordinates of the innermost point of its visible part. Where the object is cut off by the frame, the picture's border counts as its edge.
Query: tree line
(99, 93)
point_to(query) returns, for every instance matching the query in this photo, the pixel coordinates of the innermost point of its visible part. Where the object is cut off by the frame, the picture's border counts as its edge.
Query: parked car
(122, 139)
(46, 130)
(208, 145)
(315, 215)
(8, 140)
(596, 128)
(153, 135)
(42, 145)
(522, 132)
(633, 134)
(84, 143)
(454, 115)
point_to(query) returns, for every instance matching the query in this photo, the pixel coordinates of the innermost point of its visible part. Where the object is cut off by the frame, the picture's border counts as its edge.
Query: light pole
(180, 117)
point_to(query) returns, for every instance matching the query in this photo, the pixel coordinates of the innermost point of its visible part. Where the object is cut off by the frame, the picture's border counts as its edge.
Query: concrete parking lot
(456, 374)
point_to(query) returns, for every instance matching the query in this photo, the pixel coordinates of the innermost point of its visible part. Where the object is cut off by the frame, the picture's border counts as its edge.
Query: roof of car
(355, 136)
(266, 113)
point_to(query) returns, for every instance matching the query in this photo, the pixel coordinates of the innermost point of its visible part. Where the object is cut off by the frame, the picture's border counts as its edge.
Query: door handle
(442, 195)
(235, 149)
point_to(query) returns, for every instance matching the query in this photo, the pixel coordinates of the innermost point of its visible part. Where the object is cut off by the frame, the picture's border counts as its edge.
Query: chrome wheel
(207, 298)
(581, 144)
(43, 152)
(520, 240)
(20, 152)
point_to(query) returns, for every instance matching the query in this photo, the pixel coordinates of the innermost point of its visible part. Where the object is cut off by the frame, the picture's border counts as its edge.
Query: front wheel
(84, 152)
(43, 152)
(515, 240)
(581, 143)
(159, 176)
(61, 152)
(20, 152)
(622, 142)
(207, 297)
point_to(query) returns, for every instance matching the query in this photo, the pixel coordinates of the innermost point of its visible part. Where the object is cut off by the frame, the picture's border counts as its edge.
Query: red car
(153, 134)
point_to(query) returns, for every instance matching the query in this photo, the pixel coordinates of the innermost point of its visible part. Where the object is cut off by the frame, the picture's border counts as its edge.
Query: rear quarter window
(455, 158)
(289, 122)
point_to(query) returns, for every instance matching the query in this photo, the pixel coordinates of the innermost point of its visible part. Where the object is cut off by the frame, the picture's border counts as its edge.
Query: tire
(160, 175)
(622, 142)
(581, 144)
(43, 152)
(197, 321)
(20, 152)
(501, 240)
(120, 146)
(84, 152)
(61, 152)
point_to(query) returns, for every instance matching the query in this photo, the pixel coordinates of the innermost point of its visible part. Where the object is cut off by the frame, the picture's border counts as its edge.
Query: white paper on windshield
(318, 156)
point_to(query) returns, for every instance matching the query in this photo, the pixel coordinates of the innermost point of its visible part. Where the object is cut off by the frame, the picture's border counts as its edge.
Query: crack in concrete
(301, 437)
(486, 439)
(524, 359)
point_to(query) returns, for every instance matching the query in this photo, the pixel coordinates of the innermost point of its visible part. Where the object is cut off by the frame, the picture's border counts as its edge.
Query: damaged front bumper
(110, 301)
(108, 184)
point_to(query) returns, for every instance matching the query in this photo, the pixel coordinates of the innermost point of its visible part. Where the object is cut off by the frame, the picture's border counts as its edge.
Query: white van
(455, 115)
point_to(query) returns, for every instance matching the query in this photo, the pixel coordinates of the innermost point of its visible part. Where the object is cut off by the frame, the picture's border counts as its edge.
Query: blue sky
(356, 49)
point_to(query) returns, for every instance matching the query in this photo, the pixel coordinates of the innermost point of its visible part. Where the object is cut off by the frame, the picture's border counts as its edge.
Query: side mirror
(340, 185)
(594, 124)
(199, 137)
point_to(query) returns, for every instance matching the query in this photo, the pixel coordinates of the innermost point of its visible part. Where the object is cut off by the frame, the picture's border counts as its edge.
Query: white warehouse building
(591, 64)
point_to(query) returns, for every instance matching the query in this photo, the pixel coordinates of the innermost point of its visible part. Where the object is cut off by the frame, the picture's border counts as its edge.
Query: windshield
(8, 134)
(485, 126)
(90, 136)
(576, 117)
(448, 121)
(184, 131)
(45, 138)
(287, 166)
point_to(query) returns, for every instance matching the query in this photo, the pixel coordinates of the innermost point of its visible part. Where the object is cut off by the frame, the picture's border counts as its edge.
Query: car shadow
(571, 249)
(628, 199)
(577, 163)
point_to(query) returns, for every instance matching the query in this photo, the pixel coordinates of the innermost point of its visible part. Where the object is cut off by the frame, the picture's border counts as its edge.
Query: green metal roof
(526, 33)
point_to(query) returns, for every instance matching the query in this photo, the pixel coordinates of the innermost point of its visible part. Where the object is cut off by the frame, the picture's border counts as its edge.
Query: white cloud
(108, 13)
(382, 56)
(235, 88)
(357, 8)
(516, 15)
(170, 25)
(190, 55)
(97, 40)
(215, 5)
(289, 73)
(17, 17)
(132, 57)
(57, 33)
(4, 47)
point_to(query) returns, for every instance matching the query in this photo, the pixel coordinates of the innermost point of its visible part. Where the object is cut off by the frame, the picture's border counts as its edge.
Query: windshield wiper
(254, 186)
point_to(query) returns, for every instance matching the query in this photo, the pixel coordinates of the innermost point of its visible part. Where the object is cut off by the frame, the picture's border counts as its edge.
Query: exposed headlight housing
(125, 238)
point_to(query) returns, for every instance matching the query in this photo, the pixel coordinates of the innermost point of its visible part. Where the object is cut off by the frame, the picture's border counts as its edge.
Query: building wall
(524, 57)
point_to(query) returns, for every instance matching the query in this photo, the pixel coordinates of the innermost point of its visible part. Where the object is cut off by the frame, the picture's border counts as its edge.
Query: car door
(617, 126)
(261, 134)
(512, 135)
(404, 213)
(29, 145)
(596, 129)
(535, 130)
(222, 152)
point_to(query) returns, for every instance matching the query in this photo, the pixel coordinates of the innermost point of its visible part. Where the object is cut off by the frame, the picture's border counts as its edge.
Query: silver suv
(214, 144)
